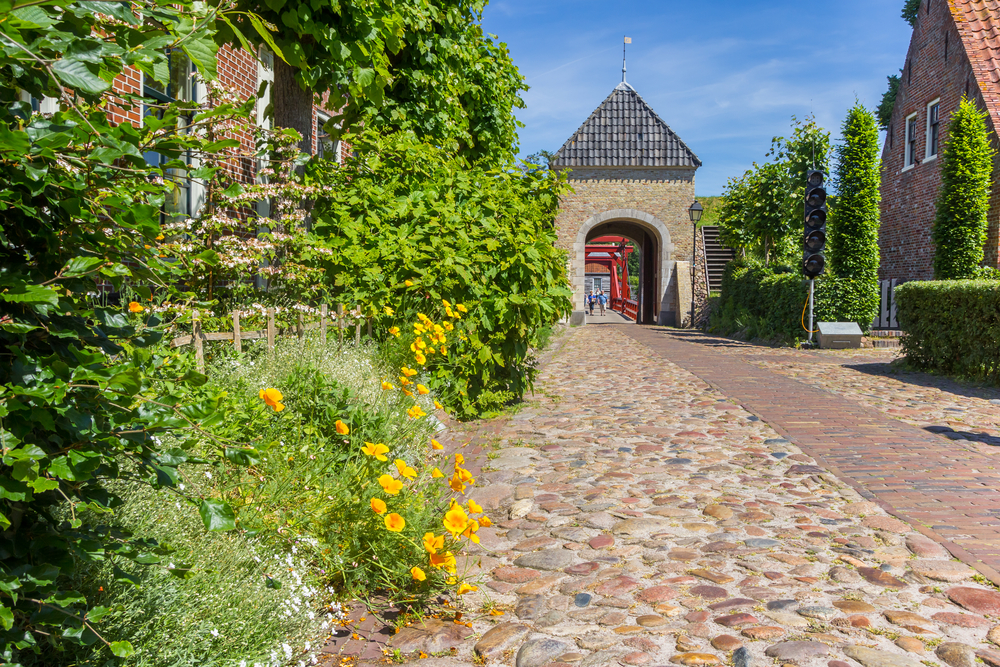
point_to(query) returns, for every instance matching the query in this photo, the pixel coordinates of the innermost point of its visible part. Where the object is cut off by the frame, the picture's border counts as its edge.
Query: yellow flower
(403, 381)
(388, 311)
(394, 331)
(341, 427)
(409, 372)
(456, 484)
(273, 398)
(378, 450)
(395, 523)
(415, 412)
(464, 475)
(456, 520)
(474, 507)
(448, 326)
(390, 485)
(438, 406)
(485, 522)
(408, 283)
(466, 588)
(459, 459)
(421, 389)
(378, 506)
(405, 470)
(436, 473)
(470, 532)
(445, 302)
(432, 543)
(436, 445)
(386, 386)
(444, 562)
(135, 307)
(418, 328)
(408, 392)
(417, 574)
(159, 237)
(444, 351)
(421, 345)
(460, 308)
(420, 358)
(423, 318)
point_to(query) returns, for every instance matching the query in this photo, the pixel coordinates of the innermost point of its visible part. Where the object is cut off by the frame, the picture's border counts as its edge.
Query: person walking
(590, 303)
(602, 300)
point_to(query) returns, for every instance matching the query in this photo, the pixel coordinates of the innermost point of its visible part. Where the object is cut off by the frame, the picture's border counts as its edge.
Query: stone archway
(653, 238)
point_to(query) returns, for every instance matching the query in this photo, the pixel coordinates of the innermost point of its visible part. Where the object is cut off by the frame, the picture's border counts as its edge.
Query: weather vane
(628, 40)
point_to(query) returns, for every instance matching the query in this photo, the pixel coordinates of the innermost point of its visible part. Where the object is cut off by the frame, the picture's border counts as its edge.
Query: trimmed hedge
(952, 326)
(767, 302)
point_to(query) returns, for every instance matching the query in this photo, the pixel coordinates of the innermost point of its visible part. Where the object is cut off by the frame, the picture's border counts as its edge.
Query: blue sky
(727, 76)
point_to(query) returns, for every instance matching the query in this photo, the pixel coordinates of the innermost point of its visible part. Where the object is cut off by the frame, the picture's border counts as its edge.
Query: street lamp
(695, 212)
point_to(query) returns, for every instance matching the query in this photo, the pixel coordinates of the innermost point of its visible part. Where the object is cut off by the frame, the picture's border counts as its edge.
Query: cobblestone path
(643, 517)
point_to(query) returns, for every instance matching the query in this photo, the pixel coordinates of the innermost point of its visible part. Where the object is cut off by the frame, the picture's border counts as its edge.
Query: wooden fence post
(369, 327)
(322, 323)
(237, 339)
(300, 329)
(199, 348)
(357, 330)
(270, 330)
(340, 323)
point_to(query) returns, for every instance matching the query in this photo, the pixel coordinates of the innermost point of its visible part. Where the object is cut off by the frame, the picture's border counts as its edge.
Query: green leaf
(79, 266)
(265, 34)
(122, 649)
(76, 75)
(41, 484)
(6, 618)
(31, 295)
(201, 50)
(217, 515)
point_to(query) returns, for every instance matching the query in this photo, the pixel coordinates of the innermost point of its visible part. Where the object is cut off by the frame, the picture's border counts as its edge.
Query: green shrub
(770, 303)
(851, 293)
(407, 225)
(952, 326)
(959, 231)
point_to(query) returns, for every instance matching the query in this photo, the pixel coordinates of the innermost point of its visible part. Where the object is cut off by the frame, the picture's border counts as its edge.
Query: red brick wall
(908, 195)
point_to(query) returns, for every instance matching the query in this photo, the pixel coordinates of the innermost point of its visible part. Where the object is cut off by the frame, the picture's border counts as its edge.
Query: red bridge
(612, 252)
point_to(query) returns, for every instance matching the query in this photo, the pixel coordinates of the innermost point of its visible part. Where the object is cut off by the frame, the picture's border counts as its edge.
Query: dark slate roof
(610, 137)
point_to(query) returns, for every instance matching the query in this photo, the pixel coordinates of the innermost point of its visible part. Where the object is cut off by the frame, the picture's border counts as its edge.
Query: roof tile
(611, 137)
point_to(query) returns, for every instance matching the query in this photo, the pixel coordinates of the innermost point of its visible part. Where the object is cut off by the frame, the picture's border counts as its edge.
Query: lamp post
(695, 212)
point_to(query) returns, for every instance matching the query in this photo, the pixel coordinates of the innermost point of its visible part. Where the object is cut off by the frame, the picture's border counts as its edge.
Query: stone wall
(654, 199)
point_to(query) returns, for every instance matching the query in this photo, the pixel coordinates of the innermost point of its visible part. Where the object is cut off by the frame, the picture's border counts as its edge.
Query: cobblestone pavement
(643, 517)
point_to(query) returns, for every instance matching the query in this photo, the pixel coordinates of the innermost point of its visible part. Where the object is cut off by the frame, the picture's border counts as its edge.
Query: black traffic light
(813, 261)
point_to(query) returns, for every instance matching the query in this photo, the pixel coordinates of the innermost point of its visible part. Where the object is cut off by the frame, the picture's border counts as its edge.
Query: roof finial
(628, 40)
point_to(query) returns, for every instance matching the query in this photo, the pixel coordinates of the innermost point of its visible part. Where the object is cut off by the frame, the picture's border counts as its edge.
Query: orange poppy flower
(395, 523)
(341, 427)
(390, 485)
(135, 306)
(378, 506)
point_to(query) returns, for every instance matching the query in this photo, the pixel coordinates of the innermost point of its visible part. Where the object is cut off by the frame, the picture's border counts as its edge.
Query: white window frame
(927, 132)
(321, 119)
(909, 157)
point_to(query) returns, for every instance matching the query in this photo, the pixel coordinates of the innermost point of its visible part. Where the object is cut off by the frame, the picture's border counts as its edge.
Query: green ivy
(888, 103)
(854, 222)
(960, 226)
(911, 8)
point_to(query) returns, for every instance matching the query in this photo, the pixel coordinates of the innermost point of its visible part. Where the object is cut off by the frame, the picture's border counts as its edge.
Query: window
(891, 137)
(911, 142)
(933, 125)
(180, 87)
(325, 146)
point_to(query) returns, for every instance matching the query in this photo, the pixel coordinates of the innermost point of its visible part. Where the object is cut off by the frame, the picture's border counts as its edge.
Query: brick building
(238, 71)
(632, 176)
(954, 51)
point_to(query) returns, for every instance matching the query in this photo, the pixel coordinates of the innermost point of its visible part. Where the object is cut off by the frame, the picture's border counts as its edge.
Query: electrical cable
(804, 306)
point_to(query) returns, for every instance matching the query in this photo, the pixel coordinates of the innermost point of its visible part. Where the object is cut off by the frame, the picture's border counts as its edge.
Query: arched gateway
(633, 177)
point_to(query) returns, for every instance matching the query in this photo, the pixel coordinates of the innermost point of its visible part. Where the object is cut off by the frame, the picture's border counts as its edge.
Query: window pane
(179, 85)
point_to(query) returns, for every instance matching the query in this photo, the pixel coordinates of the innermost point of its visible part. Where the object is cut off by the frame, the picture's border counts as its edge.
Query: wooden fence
(271, 333)
(886, 318)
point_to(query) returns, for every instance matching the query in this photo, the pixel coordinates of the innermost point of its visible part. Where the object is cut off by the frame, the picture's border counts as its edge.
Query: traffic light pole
(812, 283)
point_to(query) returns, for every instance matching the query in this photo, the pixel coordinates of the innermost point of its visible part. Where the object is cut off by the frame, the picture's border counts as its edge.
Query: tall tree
(419, 65)
(854, 221)
(959, 231)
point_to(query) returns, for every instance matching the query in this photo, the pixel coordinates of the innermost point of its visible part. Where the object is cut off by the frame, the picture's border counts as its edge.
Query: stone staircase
(716, 256)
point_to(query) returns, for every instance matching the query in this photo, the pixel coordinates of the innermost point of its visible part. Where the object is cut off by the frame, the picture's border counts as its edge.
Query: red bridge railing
(627, 307)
